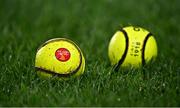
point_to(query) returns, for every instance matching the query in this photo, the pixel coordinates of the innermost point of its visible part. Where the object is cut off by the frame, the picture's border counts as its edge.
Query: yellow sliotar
(132, 46)
(59, 57)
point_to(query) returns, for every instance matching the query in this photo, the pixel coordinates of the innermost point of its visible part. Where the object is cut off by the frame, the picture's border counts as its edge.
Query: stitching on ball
(125, 52)
(143, 48)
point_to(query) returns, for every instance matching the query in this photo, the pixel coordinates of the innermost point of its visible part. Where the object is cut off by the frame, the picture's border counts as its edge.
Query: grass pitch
(26, 24)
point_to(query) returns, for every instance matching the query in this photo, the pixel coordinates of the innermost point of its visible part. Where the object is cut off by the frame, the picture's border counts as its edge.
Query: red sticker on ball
(62, 54)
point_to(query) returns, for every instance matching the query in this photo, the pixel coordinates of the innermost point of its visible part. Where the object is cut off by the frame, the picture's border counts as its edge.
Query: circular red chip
(62, 54)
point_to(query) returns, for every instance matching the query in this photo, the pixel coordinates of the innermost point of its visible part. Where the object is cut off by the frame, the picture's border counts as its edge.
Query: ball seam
(143, 48)
(125, 52)
(58, 74)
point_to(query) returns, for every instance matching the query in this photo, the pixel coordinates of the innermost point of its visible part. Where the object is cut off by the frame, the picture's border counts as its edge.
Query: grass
(24, 25)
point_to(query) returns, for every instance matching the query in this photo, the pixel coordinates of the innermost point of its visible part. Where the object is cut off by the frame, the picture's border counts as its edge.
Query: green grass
(26, 24)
